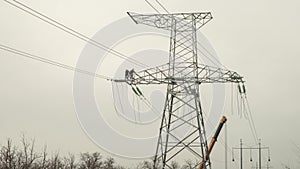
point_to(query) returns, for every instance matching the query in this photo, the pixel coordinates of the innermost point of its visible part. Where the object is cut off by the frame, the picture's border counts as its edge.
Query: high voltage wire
(50, 62)
(71, 31)
(152, 6)
(251, 118)
(243, 107)
(144, 100)
(165, 9)
(213, 62)
(83, 37)
(75, 33)
(217, 63)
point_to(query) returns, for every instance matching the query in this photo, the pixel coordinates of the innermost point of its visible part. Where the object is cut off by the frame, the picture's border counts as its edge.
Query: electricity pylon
(182, 125)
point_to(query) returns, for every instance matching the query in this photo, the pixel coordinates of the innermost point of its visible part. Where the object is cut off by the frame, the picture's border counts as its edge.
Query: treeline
(26, 157)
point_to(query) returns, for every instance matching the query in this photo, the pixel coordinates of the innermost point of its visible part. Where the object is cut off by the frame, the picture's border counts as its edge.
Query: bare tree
(69, 162)
(55, 162)
(27, 156)
(109, 163)
(90, 161)
(43, 162)
(8, 156)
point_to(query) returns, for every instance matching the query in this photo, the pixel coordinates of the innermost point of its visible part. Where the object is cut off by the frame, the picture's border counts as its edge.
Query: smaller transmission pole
(241, 152)
(226, 146)
(241, 147)
(259, 153)
(259, 148)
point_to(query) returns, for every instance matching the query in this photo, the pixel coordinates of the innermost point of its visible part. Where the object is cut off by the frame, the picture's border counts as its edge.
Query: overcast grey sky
(259, 39)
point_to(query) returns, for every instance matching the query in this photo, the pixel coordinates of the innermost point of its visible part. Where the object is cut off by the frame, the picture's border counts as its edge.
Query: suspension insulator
(244, 88)
(139, 91)
(135, 91)
(240, 89)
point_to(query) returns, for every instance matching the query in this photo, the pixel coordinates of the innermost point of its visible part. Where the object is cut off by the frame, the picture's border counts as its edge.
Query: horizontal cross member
(250, 148)
(161, 75)
(165, 21)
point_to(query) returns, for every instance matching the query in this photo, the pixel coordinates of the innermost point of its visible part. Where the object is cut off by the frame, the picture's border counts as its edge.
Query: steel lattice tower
(183, 75)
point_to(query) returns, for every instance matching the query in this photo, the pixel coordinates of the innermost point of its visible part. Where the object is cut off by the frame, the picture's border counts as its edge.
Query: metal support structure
(259, 148)
(182, 124)
(241, 153)
(259, 154)
(226, 147)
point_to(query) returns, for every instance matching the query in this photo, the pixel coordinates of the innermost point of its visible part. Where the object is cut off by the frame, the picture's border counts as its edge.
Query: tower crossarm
(161, 75)
(209, 74)
(165, 21)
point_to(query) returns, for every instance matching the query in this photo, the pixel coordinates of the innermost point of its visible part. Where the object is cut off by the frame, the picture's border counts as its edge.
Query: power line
(91, 41)
(217, 63)
(83, 37)
(251, 118)
(152, 6)
(71, 31)
(165, 9)
(51, 62)
(214, 63)
(245, 109)
(119, 98)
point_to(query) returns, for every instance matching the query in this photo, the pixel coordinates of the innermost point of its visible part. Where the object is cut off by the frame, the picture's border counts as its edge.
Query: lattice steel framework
(182, 125)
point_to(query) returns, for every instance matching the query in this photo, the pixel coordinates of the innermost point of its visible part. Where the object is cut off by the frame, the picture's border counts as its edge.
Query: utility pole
(259, 153)
(226, 145)
(259, 148)
(241, 153)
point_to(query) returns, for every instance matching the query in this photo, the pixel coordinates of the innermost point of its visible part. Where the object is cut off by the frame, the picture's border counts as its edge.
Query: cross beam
(160, 75)
(164, 21)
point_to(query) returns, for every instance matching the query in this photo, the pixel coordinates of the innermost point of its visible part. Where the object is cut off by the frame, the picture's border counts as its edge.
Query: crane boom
(213, 140)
